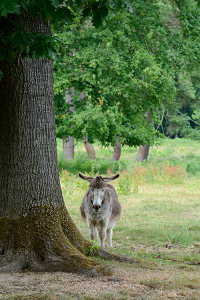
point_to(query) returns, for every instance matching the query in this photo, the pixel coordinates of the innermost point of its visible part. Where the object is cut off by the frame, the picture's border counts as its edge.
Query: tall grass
(149, 173)
(130, 181)
(172, 156)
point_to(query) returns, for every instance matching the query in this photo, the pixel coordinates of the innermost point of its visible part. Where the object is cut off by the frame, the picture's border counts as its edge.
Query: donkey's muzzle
(96, 207)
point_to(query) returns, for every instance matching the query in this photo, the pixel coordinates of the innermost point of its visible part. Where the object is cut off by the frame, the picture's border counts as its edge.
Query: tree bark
(36, 231)
(89, 148)
(68, 143)
(117, 150)
(68, 147)
(143, 153)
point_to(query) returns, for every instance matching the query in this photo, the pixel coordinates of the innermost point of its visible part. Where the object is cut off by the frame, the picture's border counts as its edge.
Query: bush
(194, 134)
(82, 164)
(193, 168)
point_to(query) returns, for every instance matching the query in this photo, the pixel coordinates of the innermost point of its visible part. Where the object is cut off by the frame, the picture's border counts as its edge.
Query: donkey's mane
(98, 183)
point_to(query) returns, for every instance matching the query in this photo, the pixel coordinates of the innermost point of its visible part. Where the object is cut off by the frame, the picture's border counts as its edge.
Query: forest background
(132, 80)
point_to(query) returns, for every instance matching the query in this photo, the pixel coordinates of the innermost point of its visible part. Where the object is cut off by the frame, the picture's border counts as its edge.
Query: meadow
(160, 222)
(159, 228)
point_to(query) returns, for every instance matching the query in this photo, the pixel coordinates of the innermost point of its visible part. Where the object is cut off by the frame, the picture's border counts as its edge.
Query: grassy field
(159, 228)
(160, 222)
(183, 152)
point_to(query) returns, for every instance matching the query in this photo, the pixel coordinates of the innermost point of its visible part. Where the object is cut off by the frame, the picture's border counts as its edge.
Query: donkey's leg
(92, 230)
(102, 235)
(109, 237)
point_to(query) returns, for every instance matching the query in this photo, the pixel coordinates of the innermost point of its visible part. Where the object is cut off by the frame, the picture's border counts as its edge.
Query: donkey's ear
(88, 179)
(107, 179)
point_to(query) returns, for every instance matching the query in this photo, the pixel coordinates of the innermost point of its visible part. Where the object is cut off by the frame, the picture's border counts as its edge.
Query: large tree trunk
(117, 150)
(89, 148)
(36, 231)
(143, 153)
(68, 143)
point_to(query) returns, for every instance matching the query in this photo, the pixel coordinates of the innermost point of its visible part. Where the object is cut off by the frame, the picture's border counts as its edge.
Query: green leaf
(7, 7)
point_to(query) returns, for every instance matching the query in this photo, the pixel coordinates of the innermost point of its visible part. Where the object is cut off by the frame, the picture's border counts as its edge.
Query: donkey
(100, 208)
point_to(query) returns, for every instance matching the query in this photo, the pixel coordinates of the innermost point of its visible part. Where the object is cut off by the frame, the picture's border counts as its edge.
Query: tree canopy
(126, 67)
(15, 38)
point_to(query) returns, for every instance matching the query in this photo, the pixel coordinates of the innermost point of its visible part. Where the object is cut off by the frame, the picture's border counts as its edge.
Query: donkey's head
(97, 188)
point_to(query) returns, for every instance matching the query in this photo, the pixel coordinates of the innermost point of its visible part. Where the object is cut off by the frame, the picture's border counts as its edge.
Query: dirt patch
(132, 283)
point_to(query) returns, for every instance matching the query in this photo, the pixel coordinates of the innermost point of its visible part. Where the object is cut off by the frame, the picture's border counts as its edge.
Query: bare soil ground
(136, 281)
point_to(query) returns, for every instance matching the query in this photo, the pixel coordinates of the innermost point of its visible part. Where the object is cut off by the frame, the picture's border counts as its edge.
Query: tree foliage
(123, 66)
(180, 117)
(17, 39)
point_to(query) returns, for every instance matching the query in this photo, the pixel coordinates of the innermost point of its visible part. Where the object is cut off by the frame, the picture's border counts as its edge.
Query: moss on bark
(45, 239)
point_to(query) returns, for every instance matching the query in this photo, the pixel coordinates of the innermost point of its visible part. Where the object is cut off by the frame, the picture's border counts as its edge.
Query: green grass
(160, 221)
(160, 199)
(182, 152)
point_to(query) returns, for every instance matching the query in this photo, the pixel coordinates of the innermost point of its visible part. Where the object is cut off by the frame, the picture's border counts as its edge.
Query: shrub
(82, 164)
(193, 168)
(125, 184)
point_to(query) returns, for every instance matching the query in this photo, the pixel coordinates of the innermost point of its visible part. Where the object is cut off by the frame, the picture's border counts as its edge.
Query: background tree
(182, 20)
(181, 119)
(134, 64)
(68, 143)
(124, 73)
(117, 150)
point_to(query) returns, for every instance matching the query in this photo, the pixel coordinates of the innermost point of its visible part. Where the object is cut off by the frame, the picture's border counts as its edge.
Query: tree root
(46, 240)
(45, 250)
(67, 262)
(191, 263)
(115, 257)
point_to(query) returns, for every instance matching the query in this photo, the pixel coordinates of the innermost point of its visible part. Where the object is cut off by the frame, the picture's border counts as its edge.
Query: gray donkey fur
(100, 208)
